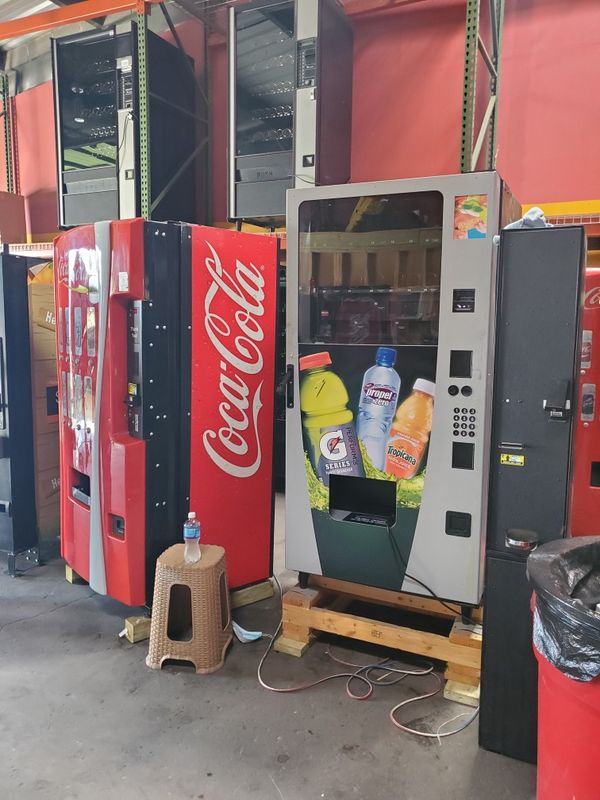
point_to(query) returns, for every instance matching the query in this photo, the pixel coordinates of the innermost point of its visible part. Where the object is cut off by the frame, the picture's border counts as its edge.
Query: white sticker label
(123, 281)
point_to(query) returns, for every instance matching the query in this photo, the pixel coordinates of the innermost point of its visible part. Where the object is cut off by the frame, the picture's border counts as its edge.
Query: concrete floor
(82, 717)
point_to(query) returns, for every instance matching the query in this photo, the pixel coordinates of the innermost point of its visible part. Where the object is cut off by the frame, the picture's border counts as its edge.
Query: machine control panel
(307, 63)
(134, 369)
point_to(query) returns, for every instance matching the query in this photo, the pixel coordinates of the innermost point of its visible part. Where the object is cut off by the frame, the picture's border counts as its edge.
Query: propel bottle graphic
(410, 431)
(378, 398)
(327, 420)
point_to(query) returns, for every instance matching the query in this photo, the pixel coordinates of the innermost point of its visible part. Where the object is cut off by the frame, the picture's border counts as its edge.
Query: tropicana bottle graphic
(328, 422)
(410, 431)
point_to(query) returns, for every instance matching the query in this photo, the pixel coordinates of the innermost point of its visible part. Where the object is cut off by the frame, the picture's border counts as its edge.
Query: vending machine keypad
(464, 421)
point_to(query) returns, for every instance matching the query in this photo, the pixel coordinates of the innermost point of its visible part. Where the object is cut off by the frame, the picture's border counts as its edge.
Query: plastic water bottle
(378, 399)
(191, 537)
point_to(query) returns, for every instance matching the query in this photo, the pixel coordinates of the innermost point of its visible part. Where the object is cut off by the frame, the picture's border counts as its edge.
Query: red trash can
(568, 736)
(565, 575)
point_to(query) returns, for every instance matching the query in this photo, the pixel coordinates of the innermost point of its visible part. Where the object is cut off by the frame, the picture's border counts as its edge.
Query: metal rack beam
(65, 15)
(471, 145)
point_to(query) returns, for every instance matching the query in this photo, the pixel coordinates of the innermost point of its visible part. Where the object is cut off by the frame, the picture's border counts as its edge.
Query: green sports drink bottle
(328, 422)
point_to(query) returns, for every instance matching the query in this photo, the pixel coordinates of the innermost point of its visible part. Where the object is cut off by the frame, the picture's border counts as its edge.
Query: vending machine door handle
(289, 386)
(558, 403)
(2, 388)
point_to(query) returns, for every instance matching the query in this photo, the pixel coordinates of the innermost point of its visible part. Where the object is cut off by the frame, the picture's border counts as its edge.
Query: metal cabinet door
(537, 340)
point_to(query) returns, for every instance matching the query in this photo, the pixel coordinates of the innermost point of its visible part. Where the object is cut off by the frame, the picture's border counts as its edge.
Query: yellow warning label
(512, 460)
(132, 388)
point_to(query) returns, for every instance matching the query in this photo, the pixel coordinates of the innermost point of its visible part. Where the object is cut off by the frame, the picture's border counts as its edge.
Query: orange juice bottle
(410, 431)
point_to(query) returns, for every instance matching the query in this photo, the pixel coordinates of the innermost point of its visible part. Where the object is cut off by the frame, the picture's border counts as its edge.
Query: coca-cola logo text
(592, 298)
(235, 446)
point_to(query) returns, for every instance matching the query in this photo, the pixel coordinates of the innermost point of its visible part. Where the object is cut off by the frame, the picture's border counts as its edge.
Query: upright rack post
(8, 154)
(472, 146)
(143, 112)
(497, 17)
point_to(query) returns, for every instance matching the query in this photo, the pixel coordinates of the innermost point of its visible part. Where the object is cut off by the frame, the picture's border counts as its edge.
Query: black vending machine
(537, 356)
(98, 132)
(290, 102)
(18, 514)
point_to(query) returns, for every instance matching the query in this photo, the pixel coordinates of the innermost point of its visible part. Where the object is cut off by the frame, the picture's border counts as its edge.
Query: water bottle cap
(192, 515)
(427, 387)
(386, 356)
(314, 361)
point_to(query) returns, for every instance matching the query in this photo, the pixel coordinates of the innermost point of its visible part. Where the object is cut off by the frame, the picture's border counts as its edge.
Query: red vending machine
(585, 503)
(166, 349)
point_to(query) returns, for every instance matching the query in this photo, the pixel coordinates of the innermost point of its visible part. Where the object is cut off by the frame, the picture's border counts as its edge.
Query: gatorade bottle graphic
(327, 420)
(410, 431)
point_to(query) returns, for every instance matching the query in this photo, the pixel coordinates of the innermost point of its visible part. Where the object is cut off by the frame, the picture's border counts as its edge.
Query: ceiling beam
(81, 11)
(355, 7)
(97, 23)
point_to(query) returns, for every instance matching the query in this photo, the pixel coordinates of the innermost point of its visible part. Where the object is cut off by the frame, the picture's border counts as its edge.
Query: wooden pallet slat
(387, 597)
(239, 598)
(423, 643)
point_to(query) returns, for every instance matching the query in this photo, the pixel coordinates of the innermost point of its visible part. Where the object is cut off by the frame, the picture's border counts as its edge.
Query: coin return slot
(458, 523)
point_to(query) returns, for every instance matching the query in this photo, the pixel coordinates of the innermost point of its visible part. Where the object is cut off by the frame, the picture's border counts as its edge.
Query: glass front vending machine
(390, 336)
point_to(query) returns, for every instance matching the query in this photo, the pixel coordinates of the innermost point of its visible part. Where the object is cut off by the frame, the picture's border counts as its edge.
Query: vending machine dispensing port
(80, 487)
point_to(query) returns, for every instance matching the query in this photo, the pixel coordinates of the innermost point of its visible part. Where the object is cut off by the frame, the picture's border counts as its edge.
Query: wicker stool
(191, 619)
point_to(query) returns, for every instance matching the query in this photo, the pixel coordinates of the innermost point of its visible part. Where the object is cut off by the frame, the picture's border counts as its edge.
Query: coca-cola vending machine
(166, 351)
(585, 498)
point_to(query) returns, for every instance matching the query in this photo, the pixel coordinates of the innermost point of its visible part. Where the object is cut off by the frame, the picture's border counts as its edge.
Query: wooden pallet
(73, 577)
(321, 607)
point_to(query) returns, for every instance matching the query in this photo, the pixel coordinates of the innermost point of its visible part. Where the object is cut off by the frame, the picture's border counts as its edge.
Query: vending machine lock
(558, 403)
(520, 539)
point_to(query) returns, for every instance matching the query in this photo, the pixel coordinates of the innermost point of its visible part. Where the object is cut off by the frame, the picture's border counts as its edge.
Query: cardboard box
(46, 452)
(12, 218)
(49, 521)
(42, 328)
(44, 376)
(42, 344)
(47, 485)
(42, 421)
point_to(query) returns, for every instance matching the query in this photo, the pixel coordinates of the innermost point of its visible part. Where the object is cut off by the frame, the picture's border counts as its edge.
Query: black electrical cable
(396, 550)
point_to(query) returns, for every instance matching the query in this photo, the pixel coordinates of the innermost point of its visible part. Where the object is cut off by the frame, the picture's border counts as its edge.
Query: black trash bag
(565, 575)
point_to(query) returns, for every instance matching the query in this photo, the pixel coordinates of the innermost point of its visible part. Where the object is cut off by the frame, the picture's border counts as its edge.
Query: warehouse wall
(35, 143)
(548, 140)
(407, 104)
(408, 91)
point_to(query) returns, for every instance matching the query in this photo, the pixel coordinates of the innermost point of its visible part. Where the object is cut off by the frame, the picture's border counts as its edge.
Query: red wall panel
(548, 141)
(407, 103)
(37, 157)
(407, 92)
